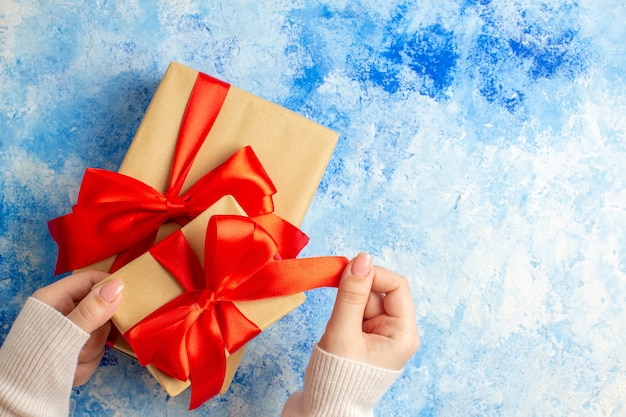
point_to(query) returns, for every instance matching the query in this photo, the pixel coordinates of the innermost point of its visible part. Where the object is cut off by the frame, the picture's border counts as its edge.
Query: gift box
(198, 296)
(199, 140)
(193, 124)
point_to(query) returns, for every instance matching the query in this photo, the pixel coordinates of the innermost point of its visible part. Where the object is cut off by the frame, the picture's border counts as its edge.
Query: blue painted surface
(481, 154)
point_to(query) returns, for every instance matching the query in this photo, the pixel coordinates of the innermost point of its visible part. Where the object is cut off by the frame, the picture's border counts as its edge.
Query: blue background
(482, 154)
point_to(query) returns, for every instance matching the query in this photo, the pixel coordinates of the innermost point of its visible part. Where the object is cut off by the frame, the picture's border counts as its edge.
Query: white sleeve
(37, 362)
(338, 387)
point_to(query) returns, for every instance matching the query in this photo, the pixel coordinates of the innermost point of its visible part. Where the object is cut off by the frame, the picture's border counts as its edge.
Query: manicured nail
(362, 264)
(111, 290)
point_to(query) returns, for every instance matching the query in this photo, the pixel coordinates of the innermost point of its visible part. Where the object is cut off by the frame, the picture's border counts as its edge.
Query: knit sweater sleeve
(339, 387)
(37, 362)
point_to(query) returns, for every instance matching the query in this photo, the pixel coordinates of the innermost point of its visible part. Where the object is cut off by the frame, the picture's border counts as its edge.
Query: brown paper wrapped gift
(292, 149)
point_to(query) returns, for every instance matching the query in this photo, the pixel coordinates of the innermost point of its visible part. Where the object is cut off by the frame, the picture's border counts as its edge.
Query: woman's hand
(90, 309)
(374, 319)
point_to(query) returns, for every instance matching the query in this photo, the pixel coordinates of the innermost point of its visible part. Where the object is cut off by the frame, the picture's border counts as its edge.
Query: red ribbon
(116, 214)
(187, 337)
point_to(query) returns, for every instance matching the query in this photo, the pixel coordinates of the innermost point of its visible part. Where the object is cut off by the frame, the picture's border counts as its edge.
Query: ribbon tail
(159, 339)
(236, 329)
(60, 229)
(304, 274)
(207, 359)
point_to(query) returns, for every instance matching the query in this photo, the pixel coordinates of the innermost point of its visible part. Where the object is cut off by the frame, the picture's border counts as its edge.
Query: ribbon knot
(206, 300)
(175, 206)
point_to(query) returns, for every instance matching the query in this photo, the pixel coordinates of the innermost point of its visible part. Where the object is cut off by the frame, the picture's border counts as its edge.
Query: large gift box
(193, 124)
(200, 139)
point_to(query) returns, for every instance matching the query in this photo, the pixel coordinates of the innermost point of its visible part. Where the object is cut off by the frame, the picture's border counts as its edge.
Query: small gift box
(199, 140)
(204, 291)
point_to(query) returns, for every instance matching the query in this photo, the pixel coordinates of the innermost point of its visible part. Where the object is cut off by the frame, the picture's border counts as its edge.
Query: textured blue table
(482, 154)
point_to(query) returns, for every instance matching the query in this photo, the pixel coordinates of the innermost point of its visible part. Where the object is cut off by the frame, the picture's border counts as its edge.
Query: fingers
(398, 301)
(91, 354)
(352, 295)
(390, 311)
(63, 294)
(89, 308)
(375, 305)
(98, 306)
(94, 344)
(86, 369)
(373, 320)
(399, 322)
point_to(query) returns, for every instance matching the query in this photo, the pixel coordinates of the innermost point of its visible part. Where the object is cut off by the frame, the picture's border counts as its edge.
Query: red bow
(115, 212)
(187, 337)
(118, 214)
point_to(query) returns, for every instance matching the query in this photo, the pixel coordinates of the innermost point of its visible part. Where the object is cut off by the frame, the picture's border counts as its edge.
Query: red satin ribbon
(188, 337)
(116, 214)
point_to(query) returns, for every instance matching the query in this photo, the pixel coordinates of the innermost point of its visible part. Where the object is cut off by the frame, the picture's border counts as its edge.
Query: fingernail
(362, 264)
(111, 290)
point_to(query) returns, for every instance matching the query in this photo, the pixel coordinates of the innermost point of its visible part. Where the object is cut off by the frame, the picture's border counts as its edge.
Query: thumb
(353, 294)
(98, 306)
